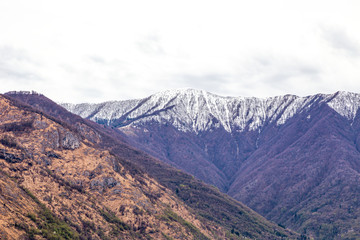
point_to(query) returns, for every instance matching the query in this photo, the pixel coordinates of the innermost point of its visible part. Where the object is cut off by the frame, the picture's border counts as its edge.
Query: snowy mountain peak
(198, 110)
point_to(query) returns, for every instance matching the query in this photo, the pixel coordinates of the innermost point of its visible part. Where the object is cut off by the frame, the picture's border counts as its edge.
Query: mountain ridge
(255, 111)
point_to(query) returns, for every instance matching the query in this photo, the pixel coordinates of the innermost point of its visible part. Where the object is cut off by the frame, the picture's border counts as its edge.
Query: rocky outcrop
(70, 141)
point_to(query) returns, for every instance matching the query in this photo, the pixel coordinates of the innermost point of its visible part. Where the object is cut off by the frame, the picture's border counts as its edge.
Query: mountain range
(294, 160)
(65, 177)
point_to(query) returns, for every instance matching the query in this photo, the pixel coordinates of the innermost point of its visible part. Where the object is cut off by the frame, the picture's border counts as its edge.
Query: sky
(95, 51)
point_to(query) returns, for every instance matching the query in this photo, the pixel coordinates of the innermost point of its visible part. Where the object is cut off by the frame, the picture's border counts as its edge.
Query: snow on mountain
(197, 110)
(345, 103)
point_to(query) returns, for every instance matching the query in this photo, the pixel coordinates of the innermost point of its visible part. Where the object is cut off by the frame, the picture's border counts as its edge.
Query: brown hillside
(84, 186)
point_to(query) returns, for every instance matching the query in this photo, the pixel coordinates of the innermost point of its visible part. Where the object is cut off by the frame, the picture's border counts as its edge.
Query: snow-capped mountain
(295, 160)
(198, 111)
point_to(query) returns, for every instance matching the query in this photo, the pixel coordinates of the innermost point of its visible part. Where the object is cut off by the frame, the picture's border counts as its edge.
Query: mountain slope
(87, 187)
(102, 188)
(293, 159)
(307, 175)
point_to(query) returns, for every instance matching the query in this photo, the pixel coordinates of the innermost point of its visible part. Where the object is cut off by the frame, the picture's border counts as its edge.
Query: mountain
(63, 177)
(295, 160)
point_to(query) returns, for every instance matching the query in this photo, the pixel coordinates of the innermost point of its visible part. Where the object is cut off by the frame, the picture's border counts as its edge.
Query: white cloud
(94, 51)
(340, 40)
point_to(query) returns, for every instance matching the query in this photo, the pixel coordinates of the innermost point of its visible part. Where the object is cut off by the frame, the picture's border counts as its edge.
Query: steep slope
(88, 187)
(293, 159)
(102, 188)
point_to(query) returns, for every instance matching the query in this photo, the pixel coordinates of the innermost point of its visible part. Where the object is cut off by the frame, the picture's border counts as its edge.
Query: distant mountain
(63, 177)
(295, 160)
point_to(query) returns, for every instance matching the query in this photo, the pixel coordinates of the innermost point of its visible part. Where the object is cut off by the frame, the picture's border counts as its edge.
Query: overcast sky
(94, 51)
